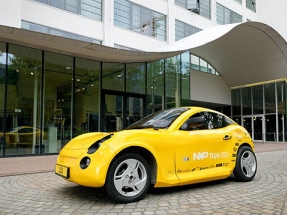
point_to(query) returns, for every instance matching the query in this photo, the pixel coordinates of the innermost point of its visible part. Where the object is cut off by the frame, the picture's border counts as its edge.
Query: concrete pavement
(45, 193)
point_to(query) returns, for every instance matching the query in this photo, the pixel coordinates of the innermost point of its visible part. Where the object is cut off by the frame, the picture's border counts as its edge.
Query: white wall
(136, 40)
(10, 13)
(274, 13)
(209, 88)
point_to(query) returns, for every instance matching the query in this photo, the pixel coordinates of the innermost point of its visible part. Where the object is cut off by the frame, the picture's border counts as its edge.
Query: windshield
(160, 119)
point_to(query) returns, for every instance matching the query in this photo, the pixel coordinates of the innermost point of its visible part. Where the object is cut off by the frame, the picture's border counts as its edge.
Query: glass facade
(261, 109)
(183, 30)
(56, 32)
(199, 64)
(48, 98)
(139, 19)
(201, 7)
(88, 8)
(226, 16)
(251, 4)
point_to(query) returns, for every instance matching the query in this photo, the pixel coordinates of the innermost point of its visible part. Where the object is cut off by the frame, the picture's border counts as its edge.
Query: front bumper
(92, 176)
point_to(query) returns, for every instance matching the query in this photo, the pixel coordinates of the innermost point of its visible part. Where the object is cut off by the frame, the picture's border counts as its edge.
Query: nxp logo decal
(200, 155)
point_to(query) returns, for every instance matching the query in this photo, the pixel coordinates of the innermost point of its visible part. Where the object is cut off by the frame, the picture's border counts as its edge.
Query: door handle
(227, 137)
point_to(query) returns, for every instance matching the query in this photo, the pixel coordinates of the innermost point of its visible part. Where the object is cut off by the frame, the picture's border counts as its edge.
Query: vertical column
(213, 12)
(108, 22)
(170, 22)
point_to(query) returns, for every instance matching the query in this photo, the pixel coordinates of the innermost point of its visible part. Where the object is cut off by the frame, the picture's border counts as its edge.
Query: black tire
(128, 178)
(246, 164)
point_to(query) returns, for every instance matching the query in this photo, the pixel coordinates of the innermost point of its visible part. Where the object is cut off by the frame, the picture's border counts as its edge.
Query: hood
(84, 141)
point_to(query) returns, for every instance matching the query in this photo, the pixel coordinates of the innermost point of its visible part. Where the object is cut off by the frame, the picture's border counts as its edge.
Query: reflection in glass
(258, 135)
(246, 101)
(113, 76)
(155, 90)
(185, 79)
(180, 30)
(134, 110)
(23, 134)
(172, 78)
(87, 74)
(87, 8)
(236, 102)
(237, 120)
(211, 70)
(58, 100)
(113, 115)
(281, 127)
(251, 4)
(194, 62)
(270, 126)
(269, 98)
(281, 103)
(140, 19)
(281, 97)
(247, 124)
(203, 65)
(226, 16)
(159, 26)
(135, 77)
(257, 92)
(2, 93)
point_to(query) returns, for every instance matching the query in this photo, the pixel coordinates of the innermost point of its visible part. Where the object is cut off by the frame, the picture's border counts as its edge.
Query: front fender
(164, 158)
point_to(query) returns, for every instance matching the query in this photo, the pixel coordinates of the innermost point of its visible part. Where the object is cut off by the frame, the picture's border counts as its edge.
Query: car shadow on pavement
(99, 195)
(81, 193)
(201, 185)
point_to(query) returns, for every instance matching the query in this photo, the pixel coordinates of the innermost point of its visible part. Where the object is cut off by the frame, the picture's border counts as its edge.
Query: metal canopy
(245, 53)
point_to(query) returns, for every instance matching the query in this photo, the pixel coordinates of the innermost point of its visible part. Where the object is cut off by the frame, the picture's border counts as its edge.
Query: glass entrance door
(120, 111)
(254, 125)
(113, 113)
(258, 128)
(247, 124)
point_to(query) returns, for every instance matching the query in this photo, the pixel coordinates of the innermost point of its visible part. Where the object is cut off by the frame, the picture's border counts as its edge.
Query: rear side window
(212, 121)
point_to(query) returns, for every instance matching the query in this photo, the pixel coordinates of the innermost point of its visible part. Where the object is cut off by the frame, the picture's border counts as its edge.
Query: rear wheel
(128, 178)
(246, 164)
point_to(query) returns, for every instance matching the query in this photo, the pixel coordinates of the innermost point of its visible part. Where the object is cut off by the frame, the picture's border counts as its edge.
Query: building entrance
(255, 126)
(120, 110)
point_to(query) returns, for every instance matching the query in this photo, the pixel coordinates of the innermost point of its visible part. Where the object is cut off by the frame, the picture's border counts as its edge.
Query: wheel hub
(131, 177)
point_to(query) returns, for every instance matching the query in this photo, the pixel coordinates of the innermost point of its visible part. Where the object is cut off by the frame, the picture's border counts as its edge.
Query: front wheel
(246, 164)
(128, 178)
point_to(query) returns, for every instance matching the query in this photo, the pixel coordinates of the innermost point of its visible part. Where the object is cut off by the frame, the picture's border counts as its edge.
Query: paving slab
(46, 193)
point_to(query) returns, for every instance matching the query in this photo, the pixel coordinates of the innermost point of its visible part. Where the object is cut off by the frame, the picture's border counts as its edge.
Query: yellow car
(173, 147)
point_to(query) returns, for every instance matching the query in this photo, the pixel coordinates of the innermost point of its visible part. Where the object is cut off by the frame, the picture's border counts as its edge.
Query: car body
(173, 147)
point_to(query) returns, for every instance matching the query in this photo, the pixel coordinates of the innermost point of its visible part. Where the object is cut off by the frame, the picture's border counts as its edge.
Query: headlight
(85, 162)
(94, 147)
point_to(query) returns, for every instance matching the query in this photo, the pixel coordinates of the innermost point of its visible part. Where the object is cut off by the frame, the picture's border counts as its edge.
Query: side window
(228, 121)
(195, 122)
(213, 120)
(220, 121)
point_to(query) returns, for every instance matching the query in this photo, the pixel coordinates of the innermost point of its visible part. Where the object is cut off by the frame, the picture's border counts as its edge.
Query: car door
(204, 153)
